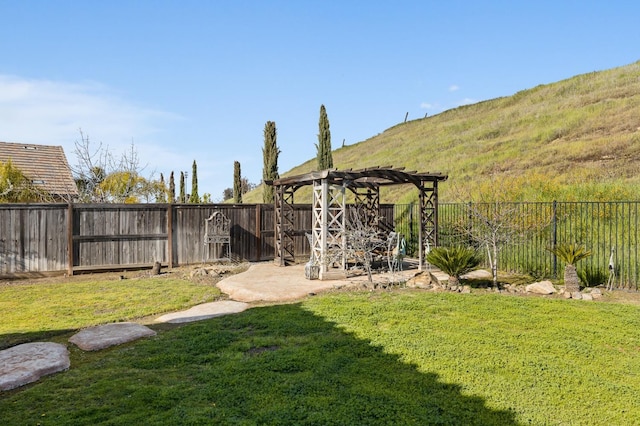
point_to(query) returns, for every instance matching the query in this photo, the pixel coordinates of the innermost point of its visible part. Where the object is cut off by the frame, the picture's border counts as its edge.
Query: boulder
(28, 362)
(478, 274)
(542, 287)
(103, 336)
(424, 279)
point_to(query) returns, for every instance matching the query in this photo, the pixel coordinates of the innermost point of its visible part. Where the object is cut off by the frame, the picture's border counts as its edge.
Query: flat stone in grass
(205, 311)
(28, 362)
(103, 336)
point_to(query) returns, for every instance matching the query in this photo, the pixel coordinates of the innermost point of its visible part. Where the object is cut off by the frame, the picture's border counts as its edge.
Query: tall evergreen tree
(162, 190)
(172, 189)
(270, 154)
(324, 156)
(237, 183)
(194, 198)
(183, 196)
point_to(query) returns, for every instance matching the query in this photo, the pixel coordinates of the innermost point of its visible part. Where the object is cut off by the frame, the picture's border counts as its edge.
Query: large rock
(103, 336)
(478, 274)
(28, 362)
(422, 279)
(542, 287)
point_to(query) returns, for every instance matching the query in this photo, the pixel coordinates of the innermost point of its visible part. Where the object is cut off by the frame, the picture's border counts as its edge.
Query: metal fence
(609, 229)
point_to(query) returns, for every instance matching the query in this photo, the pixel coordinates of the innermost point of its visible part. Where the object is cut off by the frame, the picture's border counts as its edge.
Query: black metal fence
(609, 229)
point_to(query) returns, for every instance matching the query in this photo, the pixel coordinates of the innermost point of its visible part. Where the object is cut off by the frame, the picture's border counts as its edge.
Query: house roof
(45, 165)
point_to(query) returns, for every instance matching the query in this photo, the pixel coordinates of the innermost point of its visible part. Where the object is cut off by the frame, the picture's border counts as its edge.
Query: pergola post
(328, 234)
(284, 226)
(428, 233)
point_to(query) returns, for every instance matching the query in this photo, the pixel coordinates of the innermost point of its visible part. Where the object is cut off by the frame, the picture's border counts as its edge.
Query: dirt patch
(215, 273)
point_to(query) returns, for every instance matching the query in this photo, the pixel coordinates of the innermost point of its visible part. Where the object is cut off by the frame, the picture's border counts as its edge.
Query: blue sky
(188, 79)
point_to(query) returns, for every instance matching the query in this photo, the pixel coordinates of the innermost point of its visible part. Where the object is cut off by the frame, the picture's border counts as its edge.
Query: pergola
(329, 207)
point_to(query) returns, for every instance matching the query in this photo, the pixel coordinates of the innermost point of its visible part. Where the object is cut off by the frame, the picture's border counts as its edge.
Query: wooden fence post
(259, 231)
(170, 235)
(70, 239)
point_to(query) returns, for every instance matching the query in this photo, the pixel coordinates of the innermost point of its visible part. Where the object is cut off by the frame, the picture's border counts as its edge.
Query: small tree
(571, 254)
(494, 220)
(183, 195)
(270, 154)
(237, 183)
(324, 156)
(363, 240)
(172, 188)
(454, 261)
(162, 190)
(194, 198)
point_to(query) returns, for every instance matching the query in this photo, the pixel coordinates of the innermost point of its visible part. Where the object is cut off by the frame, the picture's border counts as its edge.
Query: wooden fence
(71, 238)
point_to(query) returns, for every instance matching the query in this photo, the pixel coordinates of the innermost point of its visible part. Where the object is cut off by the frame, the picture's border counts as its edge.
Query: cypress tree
(172, 189)
(270, 154)
(162, 191)
(194, 198)
(324, 157)
(183, 197)
(237, 183)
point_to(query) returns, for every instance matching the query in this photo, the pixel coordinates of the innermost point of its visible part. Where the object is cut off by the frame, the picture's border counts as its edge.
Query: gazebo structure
(329, 208)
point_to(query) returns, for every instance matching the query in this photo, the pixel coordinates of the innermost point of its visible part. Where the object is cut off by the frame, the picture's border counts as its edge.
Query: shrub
(592, 277)
(454, 261)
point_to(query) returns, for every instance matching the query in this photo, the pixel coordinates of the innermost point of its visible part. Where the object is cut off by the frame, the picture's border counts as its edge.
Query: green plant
(592, 277)
(570, 254)
(455, 261)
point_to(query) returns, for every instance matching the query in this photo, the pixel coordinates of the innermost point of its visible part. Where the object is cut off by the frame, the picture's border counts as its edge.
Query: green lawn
(40, 310)
(402, 357)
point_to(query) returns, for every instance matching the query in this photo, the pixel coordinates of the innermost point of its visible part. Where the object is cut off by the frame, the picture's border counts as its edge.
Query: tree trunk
(571, 280)
(453, 281)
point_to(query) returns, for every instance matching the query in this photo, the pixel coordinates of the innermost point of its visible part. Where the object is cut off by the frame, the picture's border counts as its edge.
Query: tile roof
(45, 165)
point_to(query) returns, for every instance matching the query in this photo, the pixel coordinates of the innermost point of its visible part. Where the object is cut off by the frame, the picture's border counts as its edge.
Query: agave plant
(571, 254)
(454, 261)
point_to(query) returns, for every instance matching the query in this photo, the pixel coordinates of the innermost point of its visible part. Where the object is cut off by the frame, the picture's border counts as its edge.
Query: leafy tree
(172, 188)
(194, 198)
(454, 261)
(270, 154)
(15, 187)
(183, 196)
(227, 194)
(571, 254)
(101, 177)
(237, 183)
(246, 186)
(125, 187)
(324, 156)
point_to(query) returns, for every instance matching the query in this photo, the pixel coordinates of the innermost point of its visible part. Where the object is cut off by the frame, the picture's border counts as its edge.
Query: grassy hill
(577, 139)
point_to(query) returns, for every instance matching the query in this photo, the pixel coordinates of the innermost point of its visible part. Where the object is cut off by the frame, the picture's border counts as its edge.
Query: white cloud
(52, 112)
(425, 105)
(454, 88)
